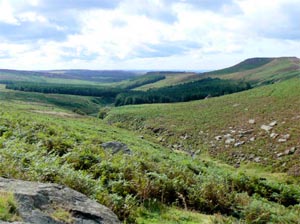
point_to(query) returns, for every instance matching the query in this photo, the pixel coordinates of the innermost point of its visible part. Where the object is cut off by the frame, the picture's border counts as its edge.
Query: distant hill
(103, 76)
(260, 71)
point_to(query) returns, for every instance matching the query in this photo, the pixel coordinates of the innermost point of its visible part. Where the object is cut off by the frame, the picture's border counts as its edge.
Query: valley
(232, 157)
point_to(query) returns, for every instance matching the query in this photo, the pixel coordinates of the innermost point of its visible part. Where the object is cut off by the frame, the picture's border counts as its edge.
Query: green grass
(8, 207)
(195, 125)
(278, 69)
(175, 160)
(173, 215)
(170, 80)
(67, 150)
(62, 215)
(84, 104)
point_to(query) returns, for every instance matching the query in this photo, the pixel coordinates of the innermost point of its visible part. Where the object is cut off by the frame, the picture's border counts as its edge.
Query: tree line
(184, 92)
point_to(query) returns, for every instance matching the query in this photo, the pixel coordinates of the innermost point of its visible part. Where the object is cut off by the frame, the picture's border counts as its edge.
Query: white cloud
(156, 34)
(7, 13)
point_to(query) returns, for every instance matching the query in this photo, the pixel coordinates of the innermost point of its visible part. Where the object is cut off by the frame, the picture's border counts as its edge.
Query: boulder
(116, 147)
(38, 202)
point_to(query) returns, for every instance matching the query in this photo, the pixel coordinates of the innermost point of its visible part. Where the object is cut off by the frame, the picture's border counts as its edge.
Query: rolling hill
(260, 71)
(230, 128)
(66, 76)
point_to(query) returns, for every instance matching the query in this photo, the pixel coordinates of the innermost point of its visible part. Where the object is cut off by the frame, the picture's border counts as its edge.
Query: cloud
(129, 34)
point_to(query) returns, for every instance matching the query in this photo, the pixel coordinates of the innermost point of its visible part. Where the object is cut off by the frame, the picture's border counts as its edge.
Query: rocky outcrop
(41, 203)
(116, 147)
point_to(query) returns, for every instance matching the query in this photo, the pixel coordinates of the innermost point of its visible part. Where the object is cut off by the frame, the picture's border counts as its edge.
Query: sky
(145, 34)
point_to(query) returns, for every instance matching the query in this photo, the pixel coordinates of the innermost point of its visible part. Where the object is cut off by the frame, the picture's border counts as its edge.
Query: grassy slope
(193, 125)
(23, 155)
(171, 79)
(52, 147)
(275, 70)
(88, 105)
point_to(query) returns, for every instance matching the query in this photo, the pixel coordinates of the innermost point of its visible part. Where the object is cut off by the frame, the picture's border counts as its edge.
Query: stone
(251, 121)
(273, 135)
(252, 139)
(290, 151)
(184, 137)
(239, 144)
(218, 138)
(273, 123)
(251, 156)
(229, 141)
(37, 201)
(116, 147)
(257, 159)
(267, 128)
(280, 154)
(227, 136)
(281, 140)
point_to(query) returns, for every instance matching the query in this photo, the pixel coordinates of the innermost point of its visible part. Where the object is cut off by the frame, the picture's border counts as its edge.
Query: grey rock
(251, 156)
(37, 201)
(239, 144)
(267, 128)
(257, 159)
(280, 154)
(273, 123)
(116, 147)
(273, 135)
(229, 141)
(290, 151)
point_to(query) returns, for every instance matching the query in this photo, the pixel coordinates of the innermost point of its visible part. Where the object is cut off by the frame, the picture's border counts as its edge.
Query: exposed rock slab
(116, 147)
(38, 201)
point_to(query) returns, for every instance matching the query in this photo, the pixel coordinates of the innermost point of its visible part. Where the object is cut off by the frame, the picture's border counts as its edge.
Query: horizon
(161, 35)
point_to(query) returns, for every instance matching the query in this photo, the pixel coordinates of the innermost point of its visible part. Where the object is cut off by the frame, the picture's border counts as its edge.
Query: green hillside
(260, 71)
(245, 65)
(207, 124)
(148, 181)
(171, 78)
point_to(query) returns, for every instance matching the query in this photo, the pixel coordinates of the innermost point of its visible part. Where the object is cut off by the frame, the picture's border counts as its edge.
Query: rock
(281, 140)
(273, 135)
(116, 147)
(37, 201)
(273, 123)
(257, 159)
(184, 137)
(290, 151)
(267, 128)
(280, 154)
(239, 144)
(251, 156)
(218, 138)
(251, 121)
(229, 141)
(246, 132)
(252, 139)
(227, 136)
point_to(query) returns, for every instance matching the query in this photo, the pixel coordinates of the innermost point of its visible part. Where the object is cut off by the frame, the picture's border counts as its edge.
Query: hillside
(136, 174)
(66, 76)
(260, 71)
(231, 128)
